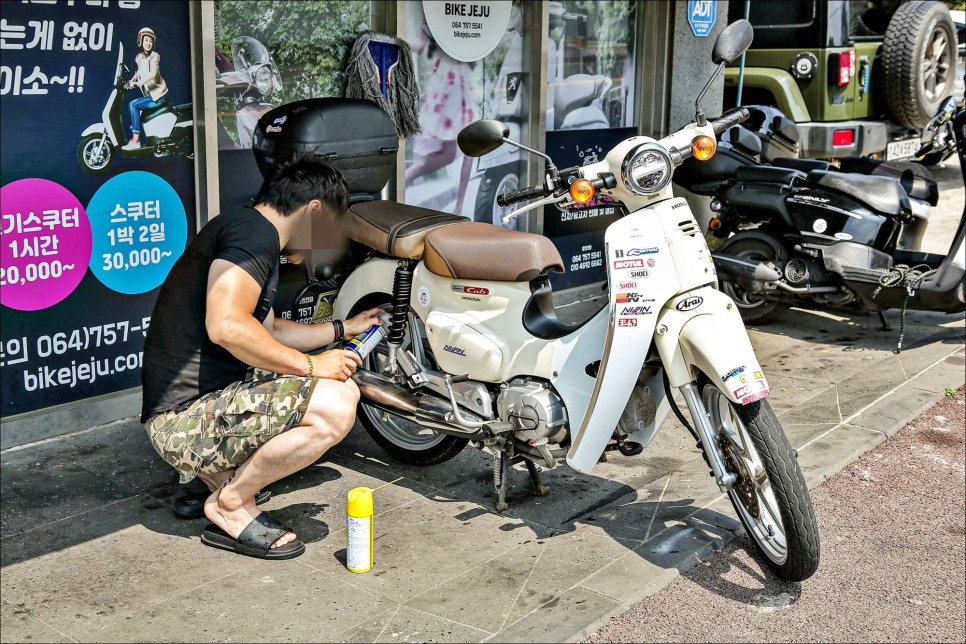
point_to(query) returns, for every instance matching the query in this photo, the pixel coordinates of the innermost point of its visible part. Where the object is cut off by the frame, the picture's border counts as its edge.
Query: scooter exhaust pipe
(744, 269)
(383, 392)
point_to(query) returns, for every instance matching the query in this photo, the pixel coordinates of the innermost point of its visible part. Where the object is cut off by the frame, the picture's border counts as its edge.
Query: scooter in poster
(574, 103)
(168, 129)
(475, 353)
(250, 85)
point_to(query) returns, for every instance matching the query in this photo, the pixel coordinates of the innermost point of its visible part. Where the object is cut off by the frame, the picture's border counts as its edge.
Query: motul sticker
(751, 388)
(472, 290)
(628, 263)
(626, 321)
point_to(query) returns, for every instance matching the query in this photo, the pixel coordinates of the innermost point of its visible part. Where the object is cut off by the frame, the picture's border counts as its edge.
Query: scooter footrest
(498, 427)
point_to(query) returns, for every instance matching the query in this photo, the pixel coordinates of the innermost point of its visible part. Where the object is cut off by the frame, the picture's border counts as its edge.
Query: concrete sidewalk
(90, 551)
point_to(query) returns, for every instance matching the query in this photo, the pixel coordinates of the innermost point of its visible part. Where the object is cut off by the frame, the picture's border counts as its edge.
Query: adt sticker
(139, 230)
(702, 15)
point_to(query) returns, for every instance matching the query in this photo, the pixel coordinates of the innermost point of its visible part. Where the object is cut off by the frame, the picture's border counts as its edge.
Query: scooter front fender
(94, 128)
(373, 276)
(703, 329)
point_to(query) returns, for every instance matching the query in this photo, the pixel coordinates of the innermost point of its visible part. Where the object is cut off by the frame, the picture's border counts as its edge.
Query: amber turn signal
(582, 190)
(703, 148)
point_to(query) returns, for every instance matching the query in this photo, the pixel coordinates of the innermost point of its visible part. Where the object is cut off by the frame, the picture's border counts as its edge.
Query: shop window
(454, 93)
(268, 53)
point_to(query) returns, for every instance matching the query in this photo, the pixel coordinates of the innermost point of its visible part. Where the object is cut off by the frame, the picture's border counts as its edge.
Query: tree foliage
(309, 40)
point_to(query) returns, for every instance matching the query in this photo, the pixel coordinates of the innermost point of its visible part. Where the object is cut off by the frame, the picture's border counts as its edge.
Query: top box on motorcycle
(355, 135)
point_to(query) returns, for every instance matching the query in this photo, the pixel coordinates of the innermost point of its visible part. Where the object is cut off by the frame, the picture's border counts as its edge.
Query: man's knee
(332, 407)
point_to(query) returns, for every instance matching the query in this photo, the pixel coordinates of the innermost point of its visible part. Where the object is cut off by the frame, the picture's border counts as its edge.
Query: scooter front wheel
(770, 496)
(95, 153)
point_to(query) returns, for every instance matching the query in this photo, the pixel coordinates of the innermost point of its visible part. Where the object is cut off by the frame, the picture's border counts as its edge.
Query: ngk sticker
(628, 263)
(626, 321)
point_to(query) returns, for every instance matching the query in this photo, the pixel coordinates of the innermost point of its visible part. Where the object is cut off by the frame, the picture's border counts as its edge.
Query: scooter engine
(534, 408)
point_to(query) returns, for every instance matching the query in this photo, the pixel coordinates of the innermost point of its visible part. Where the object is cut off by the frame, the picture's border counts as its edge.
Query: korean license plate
(903, 149)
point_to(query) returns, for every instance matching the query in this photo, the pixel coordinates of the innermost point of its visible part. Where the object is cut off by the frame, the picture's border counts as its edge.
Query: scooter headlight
(263, 80)
(646, 169)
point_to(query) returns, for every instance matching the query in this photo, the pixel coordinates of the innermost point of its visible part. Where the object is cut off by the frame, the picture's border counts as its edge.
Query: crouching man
(232, 394)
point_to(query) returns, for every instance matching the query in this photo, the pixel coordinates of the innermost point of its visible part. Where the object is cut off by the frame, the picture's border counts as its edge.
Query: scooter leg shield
(373, 276)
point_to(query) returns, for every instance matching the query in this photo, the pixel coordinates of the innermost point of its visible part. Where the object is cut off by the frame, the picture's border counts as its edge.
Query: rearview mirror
(732, 42)
(482, 137)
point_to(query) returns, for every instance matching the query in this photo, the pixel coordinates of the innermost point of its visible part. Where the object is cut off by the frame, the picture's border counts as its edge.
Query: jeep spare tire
(918, 61)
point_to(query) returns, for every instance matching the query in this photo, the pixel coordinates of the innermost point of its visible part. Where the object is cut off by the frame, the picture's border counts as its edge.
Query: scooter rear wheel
(404, 440)
(770, 497)
(753, 306)
(94, 156)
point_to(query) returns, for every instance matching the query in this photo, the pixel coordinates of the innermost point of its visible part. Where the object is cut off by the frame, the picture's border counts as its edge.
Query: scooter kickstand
(501, 476)
(538, 487)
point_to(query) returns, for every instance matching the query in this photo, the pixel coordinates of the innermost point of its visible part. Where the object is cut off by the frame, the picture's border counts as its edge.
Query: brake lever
(506, 219)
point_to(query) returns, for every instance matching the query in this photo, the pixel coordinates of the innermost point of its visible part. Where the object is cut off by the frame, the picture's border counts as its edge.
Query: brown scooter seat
(477, 251)
(392, 228)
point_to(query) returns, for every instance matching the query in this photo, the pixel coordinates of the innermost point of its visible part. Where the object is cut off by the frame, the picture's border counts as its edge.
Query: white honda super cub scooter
(475, 353)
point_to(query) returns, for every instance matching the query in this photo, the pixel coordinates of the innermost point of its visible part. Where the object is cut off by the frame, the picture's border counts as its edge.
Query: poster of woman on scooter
(88, 229)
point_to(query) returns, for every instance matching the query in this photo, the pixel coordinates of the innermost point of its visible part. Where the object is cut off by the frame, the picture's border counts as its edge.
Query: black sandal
(255, 540)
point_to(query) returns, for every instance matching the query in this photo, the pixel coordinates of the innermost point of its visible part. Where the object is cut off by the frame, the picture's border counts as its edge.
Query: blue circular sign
(139, 230)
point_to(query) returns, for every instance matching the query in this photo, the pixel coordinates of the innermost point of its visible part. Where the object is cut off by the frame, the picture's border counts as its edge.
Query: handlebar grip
(523, 194)
(733, 117)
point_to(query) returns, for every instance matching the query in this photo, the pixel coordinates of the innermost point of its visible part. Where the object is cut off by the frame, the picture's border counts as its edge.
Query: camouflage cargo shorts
(220, 430)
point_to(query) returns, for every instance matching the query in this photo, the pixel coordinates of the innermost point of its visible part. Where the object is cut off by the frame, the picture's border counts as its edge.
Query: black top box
(355, 135)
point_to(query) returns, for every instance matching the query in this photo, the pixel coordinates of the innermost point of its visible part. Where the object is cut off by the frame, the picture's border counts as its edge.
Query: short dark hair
(299, 179)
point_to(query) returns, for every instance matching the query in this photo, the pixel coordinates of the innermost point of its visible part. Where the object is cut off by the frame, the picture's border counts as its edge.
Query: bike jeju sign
(467, 31)
(702, 15)
(83, 248)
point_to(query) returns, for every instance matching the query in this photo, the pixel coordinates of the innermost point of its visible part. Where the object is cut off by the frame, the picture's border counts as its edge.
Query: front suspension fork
(709, 438)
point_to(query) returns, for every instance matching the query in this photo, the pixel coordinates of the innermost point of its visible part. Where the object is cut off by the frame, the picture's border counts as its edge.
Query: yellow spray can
(359, 530)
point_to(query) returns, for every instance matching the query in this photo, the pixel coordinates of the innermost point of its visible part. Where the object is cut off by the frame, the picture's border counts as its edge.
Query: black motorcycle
(803, 233)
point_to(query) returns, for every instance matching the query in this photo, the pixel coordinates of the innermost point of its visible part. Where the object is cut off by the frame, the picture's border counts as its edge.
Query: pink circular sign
(45, 244)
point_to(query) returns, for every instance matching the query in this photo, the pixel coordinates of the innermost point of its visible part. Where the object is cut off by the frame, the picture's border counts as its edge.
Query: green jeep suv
(860, 77)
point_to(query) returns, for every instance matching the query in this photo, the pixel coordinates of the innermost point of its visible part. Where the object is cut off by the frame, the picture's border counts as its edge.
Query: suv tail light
(842, 67)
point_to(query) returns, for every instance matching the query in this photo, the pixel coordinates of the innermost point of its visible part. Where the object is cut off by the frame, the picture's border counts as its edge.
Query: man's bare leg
(328, 418)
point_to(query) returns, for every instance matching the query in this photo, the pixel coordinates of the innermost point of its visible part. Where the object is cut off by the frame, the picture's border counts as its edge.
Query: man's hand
(338, 364)
(358, 324)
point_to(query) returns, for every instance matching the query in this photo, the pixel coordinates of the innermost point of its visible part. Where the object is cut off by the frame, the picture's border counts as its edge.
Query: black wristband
(339, 330)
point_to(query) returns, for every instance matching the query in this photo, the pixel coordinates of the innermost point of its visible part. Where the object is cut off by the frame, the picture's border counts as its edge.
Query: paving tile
(823, 407)
(403, 624)
(801, 434)
(88, 569)
(947, 374)
(916, 357)
(862, 389)
(887, 414)
(565, 560)
(38, 487)
(423, 544)
(20, 626)
(827, 455)
(558, 619)
(268, 602)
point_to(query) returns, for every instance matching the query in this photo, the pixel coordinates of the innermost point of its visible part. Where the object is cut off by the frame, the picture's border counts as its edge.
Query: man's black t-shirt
(181, 363)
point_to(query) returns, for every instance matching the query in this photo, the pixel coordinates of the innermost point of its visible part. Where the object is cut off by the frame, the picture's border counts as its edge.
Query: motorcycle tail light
(582, 191)
(703, 148)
